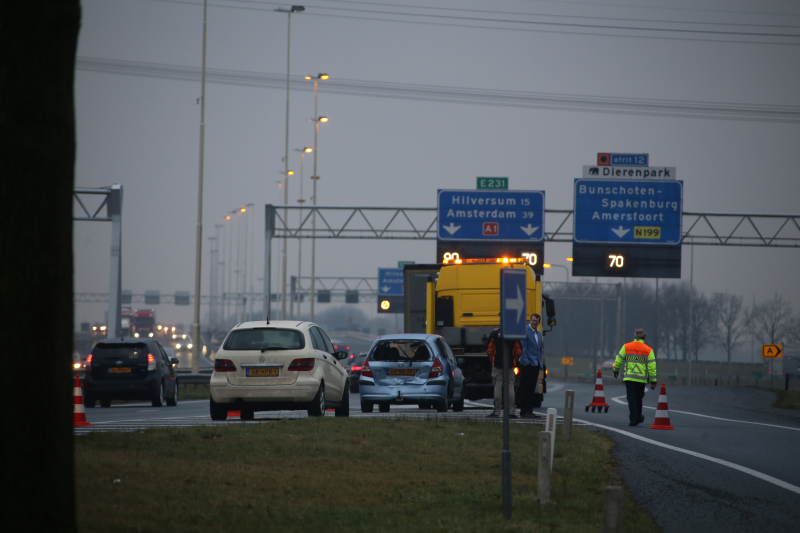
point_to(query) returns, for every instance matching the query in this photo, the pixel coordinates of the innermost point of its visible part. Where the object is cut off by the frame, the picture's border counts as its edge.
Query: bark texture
(38, 40)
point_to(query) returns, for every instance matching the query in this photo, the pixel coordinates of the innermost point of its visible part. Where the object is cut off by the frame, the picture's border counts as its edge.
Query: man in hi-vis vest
(640, 368)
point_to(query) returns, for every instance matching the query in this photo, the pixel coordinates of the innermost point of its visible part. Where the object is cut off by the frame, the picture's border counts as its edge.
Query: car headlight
(189, 346)
(178, 346)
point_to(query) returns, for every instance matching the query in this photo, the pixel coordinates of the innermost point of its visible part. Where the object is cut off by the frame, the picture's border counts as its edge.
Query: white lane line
(740, 468)
(617, 399)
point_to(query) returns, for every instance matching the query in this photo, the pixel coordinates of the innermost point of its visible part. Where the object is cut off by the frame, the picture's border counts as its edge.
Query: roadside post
(513, 311)
(544, 467)
(550, 427)
(569, 402)
(612, 510)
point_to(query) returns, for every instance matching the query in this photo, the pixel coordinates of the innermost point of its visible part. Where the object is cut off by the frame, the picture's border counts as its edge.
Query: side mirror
(549, 307)
(551, 321)
(340, 355)
(174, 360)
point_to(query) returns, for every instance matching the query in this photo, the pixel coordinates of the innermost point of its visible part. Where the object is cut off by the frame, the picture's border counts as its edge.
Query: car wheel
(246, 414)
(89, 402)
(344, 408)
(441, 405)
(159, 402)
(366, 407)
(317, 405)
(458, 405)
(218, 411)
(105, 403)
(383, 407)
(172, 402)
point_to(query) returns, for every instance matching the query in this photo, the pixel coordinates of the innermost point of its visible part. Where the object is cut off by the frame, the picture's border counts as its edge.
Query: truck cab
(462, 304)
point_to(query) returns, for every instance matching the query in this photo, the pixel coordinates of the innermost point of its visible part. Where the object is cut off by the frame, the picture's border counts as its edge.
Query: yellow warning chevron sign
(772, 350)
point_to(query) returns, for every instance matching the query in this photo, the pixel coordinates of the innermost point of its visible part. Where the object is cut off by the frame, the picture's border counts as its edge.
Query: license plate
(261, 372)
(120, 370)
(401, 371)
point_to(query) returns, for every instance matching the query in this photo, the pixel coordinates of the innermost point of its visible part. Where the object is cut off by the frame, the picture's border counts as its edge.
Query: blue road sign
(490, 215)
(628, 211)
(390, 281)
(630, 160)
(513, 298)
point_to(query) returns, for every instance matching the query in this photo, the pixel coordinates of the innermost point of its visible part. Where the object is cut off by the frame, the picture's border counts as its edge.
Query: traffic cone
(599, 400)
(79, 412)
(235, 413)
(662, 411)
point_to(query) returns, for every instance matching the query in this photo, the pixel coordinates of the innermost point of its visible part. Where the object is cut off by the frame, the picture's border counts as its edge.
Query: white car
(276, 366)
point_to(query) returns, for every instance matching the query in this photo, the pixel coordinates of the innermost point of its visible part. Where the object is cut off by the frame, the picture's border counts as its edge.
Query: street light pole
(199, 246)
(300, 201)
(317, 119)
(293, 9)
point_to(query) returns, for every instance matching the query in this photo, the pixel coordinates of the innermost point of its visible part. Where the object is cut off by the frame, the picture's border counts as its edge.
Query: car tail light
(355, 368)
(365, 370)
(436, 370)
(299, 365)
(516, 371)
(224, 365)
(89, 362)
(151, 362)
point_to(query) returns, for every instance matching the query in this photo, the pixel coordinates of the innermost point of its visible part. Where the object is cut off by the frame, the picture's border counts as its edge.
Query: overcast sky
(142, 131)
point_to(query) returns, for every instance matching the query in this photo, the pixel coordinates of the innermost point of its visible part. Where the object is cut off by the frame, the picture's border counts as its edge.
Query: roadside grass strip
(786, 399)
(327, 474)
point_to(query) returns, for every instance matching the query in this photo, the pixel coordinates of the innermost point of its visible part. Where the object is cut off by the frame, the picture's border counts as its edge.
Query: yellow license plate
(401, 371)
(261, 372)
(121, 370)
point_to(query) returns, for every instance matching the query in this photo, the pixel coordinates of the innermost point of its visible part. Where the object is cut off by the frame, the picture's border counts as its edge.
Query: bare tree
(771, 321)
(729, 323)
(38, 39)
(703, 319)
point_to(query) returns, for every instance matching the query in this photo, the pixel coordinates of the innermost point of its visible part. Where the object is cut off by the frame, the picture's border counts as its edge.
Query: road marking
(617, 399)
(740, 468)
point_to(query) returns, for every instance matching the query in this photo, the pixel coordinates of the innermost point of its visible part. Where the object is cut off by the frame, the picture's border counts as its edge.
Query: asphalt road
(732, 464)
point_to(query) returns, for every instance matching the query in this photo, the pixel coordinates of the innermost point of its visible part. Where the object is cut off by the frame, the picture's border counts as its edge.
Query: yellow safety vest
(639, 360)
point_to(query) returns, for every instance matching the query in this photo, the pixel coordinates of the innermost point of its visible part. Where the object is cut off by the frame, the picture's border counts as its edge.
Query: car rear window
(127, 352)
(265, 339)
(401, 350)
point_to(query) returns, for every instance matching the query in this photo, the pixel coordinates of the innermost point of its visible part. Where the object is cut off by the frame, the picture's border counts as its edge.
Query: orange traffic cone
(79, 412)
(599, 400)
(235, 413)
(662, 411)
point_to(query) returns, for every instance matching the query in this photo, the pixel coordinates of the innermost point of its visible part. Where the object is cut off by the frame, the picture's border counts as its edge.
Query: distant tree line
(684, 322)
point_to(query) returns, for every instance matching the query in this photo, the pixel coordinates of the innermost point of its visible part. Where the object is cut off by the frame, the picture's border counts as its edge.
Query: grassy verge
(787, 399)
(353, 475)
(197, 391)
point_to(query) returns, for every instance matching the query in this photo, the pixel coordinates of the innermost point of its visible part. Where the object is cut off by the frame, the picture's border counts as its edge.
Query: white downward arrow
(620, 232)
(517, 303)
(385, 288)
(452, 228)
(529, 230)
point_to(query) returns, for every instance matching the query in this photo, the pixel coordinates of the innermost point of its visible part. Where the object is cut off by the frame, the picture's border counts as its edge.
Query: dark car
(355, 363)
(130, 369)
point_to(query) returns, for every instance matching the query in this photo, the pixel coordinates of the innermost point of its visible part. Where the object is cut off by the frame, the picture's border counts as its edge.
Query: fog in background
(143, 131)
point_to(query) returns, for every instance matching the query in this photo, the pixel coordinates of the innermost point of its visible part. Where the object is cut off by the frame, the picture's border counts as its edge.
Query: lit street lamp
(300, 201)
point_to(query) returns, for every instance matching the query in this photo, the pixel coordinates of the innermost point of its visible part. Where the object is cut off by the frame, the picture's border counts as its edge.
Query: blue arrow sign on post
(628, 211)
(513, 300)
(490, 215)
(390, 281)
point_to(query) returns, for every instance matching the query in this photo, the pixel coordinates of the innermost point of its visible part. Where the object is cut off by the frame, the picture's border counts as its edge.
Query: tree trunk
(38, 39)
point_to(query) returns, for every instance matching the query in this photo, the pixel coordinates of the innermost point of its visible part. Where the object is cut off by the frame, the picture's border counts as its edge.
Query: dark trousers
(635, 392)
(528, 381)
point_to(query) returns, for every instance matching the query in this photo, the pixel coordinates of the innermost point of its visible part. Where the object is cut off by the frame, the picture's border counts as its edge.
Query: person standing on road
(496, 359)
(640, 367)
(530, 363)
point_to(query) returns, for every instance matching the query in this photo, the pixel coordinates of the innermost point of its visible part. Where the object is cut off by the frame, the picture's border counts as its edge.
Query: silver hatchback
(411, 369)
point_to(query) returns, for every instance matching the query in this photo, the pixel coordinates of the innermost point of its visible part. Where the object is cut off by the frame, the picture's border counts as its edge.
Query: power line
(457, 95)
(541, 26)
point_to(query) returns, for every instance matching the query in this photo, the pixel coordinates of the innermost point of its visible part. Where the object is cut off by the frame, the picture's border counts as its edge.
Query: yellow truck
(461, 302)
